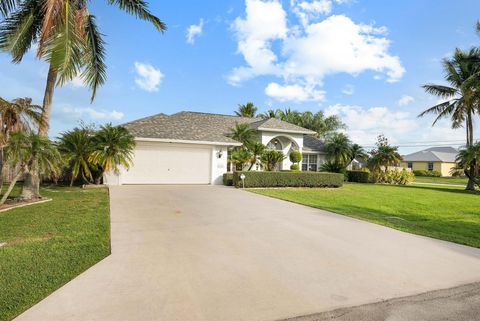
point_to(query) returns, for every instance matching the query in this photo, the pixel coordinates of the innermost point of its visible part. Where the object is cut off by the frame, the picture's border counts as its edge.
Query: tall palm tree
(16, 116)
(468, 158)
(67, 38)
(113, 148)
(338, 149)
(77, 146)
(243, 133)
(247, 110)
(462, 72)
(30, 152)
(271, 113)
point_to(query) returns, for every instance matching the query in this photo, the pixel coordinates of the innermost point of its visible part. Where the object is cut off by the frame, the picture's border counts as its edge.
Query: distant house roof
(434, 154)
(196, 126)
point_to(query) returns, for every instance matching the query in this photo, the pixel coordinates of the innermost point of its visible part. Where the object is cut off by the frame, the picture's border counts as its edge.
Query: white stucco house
(192, 147)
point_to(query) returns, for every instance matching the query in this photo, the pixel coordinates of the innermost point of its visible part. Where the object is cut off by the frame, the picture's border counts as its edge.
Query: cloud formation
(194, 31)
(147, 77)
(405, 100)
(307, 53)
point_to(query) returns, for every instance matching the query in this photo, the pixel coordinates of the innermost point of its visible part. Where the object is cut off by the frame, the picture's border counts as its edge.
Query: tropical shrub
(295, 167)
(228, 179)
(271, 158)
(288, 179)
(295, 156)
(421, 172)
(332, 167)
(359, 176)
(392, 176)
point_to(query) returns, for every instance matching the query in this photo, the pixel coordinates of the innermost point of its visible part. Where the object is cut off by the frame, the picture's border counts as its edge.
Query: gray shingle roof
(198, 126)
(434, 154)
(313, 144)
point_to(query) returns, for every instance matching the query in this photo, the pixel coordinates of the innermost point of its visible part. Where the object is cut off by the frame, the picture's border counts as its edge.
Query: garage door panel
(157, 163)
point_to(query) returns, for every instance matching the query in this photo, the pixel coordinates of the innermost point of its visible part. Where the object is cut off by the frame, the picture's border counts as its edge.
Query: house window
(309, 163)
(430, 166)
(274, 144)
(410, 165)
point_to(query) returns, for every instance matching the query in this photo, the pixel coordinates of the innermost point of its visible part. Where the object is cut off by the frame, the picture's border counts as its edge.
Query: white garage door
(162, 163)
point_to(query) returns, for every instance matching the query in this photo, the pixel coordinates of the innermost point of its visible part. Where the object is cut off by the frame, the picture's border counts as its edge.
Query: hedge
(358, 176)
(228, 179)
(427, 173)
(288, 179)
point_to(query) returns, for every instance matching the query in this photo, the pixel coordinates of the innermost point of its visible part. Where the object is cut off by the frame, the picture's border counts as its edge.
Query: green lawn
(446, 213)
(49, 244)
(442, 180)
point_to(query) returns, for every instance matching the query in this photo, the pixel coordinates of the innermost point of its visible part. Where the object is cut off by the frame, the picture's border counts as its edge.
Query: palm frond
(94, 73)
(53, 18)
(7, 6)
(439, 90)
(139, 9)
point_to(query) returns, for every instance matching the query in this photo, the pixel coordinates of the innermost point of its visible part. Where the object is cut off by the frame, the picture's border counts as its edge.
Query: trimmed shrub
(295, 167)
(295, 156)
(392, 176)
(358, 176)
(426, 173)
(228, 179)
(288, 179)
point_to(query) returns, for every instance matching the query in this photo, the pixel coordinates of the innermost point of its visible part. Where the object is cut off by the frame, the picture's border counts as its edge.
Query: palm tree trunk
(472, 170)
(1, 169)
(31, 183)
(10, 187)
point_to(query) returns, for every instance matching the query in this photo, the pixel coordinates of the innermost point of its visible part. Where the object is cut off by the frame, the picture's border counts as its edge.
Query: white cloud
(365, 124)
(76, 82)
(312, 51)
(148, 77)
(194, 31)
(348, 90)
(405, 100)
(68, 113)
(295, 93)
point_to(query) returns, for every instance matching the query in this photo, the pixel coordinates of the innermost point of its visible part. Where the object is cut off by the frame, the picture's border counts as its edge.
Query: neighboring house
(441, 159)
(356, 164)
(192, 147)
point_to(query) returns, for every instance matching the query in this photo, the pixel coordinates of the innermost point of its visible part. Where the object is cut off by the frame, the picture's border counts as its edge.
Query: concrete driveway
(217, 253)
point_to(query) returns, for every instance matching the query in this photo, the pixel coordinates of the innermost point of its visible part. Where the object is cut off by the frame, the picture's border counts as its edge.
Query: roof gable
(433, 154)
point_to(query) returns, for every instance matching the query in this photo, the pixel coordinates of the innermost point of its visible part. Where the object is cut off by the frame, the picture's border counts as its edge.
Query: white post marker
(242, 177)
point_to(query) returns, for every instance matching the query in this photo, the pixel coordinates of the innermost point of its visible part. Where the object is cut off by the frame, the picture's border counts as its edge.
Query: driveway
(217, 253)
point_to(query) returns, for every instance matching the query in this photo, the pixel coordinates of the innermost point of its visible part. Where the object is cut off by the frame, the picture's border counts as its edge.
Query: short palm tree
(256, 149)
(243, 133)
(357, 151)
(338, 149)
(468, 158)
(77, 146)
(271, 159)
(247, 110)
(240, 157)
(113, 148)
(30, 152)
(383, 155)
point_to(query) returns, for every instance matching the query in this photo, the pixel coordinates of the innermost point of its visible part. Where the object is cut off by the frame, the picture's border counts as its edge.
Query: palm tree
(271, 113)
(256, 149)
(469, 157)
(247, 110)
(357, 151)
(31, 153)
(383, 155)
(67, 38)
(338, 149)
(243, 133)
(16, 116)
(462, 72)
(113, 148)
(77, 146)
(271, 158)
(240, 157)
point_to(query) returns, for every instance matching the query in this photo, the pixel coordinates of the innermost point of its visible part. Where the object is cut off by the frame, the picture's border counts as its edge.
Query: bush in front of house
(295, 167)
(392, 176)
(288, 179)
(359, 176)
(295, 156)
(228, 179)
(427, 173)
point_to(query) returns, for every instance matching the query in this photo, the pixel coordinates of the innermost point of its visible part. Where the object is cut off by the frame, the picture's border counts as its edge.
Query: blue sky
(362, 60)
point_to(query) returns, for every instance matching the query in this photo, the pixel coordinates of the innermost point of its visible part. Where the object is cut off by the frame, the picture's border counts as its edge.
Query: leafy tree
(113, 148)
(67, 38)
(383, 155)
(462, 72)
(30, 152)
(256, 149)
(77, 146)
(338, 149)
(468, 160)
(243, 133)
(271, 158)
(247, 110)
(295, 156)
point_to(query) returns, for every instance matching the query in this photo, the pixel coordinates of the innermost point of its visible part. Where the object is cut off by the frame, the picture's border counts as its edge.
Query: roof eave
(275, 130)
(182, 141)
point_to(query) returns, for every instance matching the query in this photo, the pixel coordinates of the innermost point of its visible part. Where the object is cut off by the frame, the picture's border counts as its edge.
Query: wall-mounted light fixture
(220, 153)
